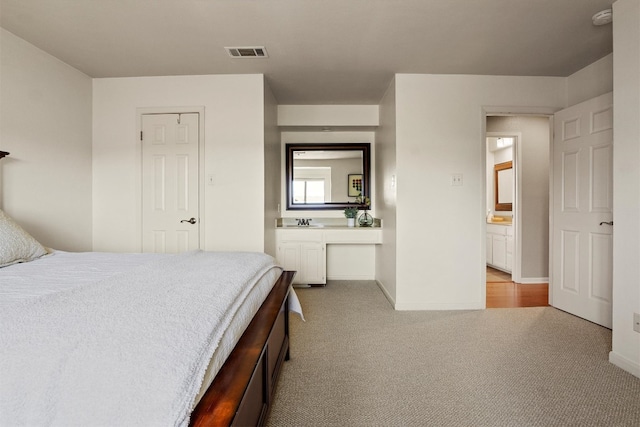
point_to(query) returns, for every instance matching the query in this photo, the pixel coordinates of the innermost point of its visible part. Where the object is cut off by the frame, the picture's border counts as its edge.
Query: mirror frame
(497, 168)
(366, 173)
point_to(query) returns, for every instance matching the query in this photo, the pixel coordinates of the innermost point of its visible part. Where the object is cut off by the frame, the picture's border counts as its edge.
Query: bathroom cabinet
(500, 247)
(305, 249)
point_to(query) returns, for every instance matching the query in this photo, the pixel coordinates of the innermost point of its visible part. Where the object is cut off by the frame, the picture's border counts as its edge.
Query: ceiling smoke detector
(603, 17)
(247, 52)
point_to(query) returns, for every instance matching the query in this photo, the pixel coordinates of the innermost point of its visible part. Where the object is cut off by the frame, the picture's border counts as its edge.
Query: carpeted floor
(357, 362)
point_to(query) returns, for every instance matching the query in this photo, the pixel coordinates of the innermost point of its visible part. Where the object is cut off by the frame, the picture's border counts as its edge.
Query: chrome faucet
(303, 222)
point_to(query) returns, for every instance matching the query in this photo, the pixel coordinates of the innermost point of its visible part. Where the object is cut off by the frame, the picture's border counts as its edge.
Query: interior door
(581, 278)
(170, 205)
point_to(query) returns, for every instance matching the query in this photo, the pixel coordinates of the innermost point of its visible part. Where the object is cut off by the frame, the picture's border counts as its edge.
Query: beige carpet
(357, 362)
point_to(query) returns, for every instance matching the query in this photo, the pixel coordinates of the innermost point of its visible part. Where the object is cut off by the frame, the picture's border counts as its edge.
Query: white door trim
(138, 164)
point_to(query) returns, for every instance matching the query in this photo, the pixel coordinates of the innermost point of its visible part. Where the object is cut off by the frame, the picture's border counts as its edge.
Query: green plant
(351, 211)
(363, 201)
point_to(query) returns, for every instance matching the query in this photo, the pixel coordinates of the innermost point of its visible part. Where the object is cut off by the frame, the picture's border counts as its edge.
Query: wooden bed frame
(242, 391)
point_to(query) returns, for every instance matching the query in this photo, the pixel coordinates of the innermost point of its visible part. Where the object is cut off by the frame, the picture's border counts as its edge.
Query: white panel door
(170, 204)
(581, 274)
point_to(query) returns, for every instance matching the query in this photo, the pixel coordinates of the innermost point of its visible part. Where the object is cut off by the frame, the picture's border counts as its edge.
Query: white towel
(150, 331)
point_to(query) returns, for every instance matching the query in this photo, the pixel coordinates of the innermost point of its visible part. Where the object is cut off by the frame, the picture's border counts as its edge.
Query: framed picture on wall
(354, 185)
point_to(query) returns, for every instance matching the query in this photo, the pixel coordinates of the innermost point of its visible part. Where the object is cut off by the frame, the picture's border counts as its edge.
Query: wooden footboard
(241, 392)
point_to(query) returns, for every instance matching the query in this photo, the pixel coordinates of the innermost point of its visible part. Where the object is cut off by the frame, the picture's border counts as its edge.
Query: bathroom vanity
(500, 246)
(304, 249)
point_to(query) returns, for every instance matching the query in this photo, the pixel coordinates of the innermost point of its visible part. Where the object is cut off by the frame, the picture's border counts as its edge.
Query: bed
(138, 339)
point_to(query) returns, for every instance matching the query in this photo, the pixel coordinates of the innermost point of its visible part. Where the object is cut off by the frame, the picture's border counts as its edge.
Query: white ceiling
(320, 51)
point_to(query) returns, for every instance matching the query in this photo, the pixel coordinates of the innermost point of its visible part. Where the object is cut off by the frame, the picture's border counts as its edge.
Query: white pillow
(16, 245)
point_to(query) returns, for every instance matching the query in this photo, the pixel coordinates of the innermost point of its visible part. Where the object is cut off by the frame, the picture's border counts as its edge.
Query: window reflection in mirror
(317, 174)
(308, 187)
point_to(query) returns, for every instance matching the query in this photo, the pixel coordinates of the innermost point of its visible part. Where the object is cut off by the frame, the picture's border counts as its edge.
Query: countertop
(321, 223)
(312, 227)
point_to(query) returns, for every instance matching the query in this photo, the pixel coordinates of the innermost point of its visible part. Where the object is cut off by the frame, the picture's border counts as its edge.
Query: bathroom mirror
(503, 186)
(326, 176)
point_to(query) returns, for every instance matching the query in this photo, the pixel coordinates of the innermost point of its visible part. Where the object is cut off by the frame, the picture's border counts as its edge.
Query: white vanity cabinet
(500, 246)
(303, 251)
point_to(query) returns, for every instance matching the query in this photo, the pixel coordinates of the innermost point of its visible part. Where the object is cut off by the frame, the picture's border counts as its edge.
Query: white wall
(234, 155)
(533, 169)
(45, 124)
(591, 81)
(386, 194)
(441, 228)
(272, 170)
(328, 115)
(626, 184)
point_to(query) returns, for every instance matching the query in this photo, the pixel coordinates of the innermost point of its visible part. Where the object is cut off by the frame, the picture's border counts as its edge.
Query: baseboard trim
(389, 298)
(622, 362)
(350, 277)
(533, 280)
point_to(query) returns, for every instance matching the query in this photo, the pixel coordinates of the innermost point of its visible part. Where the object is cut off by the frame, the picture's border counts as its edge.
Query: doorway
(518, 228)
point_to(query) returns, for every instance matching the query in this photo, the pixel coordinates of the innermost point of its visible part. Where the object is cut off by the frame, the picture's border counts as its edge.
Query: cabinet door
(312, 263)
(499, 251)
(489, 248)
(509, 250)
(289, 259)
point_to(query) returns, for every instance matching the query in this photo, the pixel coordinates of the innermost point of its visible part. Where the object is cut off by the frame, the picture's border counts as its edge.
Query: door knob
(190, 221)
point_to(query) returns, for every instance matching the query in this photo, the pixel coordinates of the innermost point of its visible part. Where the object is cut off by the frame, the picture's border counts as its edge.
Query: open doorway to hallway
(518, 242)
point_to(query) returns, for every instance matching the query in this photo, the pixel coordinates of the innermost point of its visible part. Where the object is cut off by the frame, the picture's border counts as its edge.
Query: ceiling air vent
(247, 52)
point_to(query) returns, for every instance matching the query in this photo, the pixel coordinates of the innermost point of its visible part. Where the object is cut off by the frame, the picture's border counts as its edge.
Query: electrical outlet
(456, 179)
(636, 322)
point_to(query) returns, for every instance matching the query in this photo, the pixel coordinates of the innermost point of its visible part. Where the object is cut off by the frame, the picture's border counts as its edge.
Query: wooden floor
(503, 293)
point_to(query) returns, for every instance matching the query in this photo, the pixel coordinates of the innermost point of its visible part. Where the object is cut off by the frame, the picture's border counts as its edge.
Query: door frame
(508, 111)
(141, 111)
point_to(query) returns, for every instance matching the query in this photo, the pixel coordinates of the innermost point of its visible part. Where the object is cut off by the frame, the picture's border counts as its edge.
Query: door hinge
(140, 135)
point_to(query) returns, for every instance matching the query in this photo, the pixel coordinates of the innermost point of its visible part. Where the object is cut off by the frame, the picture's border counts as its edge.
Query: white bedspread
(150, 331)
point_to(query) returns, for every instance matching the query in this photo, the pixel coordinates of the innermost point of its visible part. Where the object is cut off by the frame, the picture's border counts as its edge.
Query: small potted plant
(351, 212)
